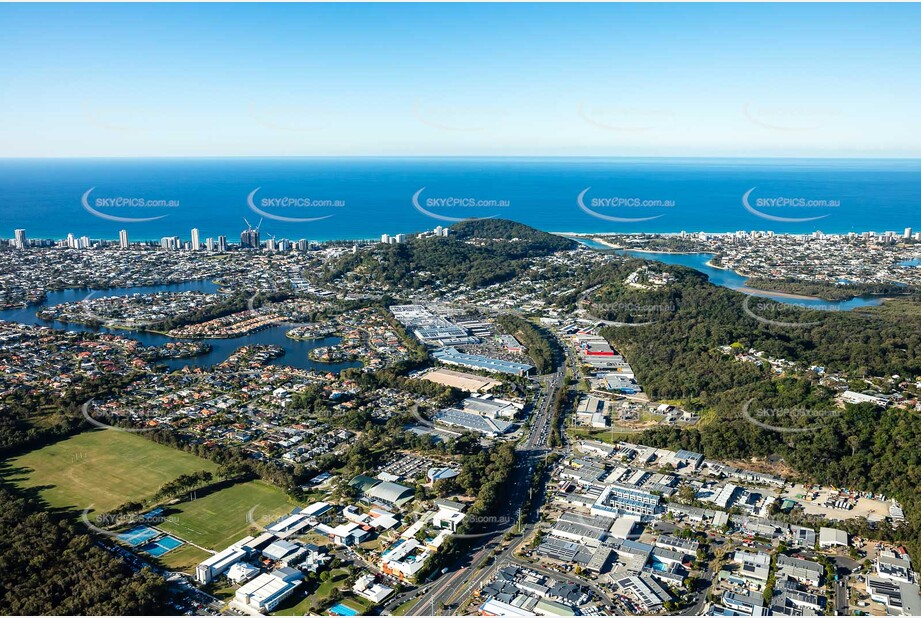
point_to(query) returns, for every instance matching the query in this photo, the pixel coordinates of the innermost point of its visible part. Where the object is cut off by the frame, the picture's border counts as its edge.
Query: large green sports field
(218, 519)
(102, 469)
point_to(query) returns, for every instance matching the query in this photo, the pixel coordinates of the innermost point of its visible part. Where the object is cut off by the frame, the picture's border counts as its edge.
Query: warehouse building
(264, 593)
(451, 356)
(474, 422)
(390, 494)
(650, 596)
(832, 537)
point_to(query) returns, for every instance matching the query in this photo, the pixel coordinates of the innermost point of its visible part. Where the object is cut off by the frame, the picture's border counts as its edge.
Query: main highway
(466, 574)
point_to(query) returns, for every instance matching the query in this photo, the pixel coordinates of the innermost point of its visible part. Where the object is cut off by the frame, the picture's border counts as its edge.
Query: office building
(217, 564)
(620, 500)
(20, 240)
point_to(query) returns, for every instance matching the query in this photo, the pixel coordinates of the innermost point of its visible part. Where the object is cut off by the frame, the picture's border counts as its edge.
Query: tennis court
(162, 546)
(137, 535)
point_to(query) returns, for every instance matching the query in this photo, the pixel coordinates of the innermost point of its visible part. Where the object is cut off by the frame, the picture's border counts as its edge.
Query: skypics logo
(761, 309)
(143, 415)
(623, 119)
(457, 204)
(789, 119)
(764, 308)
(291, 202)
(102, 425)
(458, 118)
(293, 118)
(124, 202)
(788, 203)
(101, 522)
(629, 314)
(621, 203)
(773, 419)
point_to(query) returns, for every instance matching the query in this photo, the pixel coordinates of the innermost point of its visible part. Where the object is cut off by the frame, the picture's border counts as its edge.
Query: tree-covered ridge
(860, 447)
(676, 355)
(478, 253)
(51, 568)
(503, 229)
(832, 291)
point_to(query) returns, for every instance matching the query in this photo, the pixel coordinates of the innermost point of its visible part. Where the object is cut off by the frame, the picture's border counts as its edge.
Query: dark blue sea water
(365, 197)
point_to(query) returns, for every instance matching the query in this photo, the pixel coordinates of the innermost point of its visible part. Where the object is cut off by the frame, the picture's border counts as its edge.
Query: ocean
(362, 198)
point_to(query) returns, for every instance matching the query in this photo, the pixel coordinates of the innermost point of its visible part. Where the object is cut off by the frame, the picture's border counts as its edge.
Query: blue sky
(452, 79)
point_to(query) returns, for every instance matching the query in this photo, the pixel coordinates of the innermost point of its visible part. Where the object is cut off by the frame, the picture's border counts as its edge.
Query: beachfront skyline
(460, 80)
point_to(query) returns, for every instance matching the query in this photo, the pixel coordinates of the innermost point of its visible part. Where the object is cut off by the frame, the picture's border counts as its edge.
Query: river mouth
(733, 280)
(296, 351)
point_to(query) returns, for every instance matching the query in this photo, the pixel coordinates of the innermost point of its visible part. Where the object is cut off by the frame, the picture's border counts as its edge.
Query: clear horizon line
(473, 156)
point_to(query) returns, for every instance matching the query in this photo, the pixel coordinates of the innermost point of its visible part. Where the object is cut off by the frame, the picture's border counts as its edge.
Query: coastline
(744, 289)
(154, 241)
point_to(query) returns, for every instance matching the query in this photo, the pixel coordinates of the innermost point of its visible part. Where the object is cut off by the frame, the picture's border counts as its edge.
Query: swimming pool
(339, 609)
(170, 542)
(161, 546)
